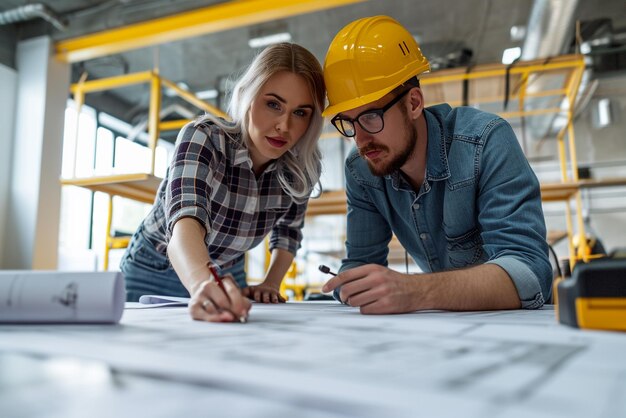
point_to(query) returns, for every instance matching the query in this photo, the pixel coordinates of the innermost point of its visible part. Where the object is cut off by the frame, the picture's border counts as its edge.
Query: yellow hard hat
(367, 59)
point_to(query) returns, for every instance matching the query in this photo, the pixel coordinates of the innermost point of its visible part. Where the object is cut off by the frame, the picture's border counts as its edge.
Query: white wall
(8, 87)
(35, 191)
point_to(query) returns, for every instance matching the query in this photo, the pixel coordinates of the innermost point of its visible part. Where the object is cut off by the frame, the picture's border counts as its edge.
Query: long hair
(298, 169)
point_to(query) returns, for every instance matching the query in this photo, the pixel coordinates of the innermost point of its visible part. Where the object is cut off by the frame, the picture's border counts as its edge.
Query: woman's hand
(213, 303)
(263, 292)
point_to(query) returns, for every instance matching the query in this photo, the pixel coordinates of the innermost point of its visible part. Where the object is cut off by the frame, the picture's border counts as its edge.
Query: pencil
(220, 283)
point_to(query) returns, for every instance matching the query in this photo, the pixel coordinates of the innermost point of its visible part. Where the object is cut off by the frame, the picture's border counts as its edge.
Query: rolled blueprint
(61, 297)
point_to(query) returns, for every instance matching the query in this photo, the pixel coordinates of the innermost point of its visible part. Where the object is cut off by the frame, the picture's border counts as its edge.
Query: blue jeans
(148, 272)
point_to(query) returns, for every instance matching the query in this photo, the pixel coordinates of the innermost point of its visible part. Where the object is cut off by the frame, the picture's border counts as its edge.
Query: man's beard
(399, 159)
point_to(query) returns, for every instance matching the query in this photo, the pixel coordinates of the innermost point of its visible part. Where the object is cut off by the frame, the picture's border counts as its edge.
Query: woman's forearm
(188, 253)
(279, 265)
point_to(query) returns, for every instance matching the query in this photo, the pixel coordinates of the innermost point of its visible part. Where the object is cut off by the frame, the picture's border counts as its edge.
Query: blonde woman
(229, 185)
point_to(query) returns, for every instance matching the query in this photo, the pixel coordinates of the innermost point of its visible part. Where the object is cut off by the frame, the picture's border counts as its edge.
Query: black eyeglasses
(370, 120)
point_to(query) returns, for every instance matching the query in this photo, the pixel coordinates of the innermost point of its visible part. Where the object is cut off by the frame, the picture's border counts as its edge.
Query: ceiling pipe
(32, 11)
(549, 30)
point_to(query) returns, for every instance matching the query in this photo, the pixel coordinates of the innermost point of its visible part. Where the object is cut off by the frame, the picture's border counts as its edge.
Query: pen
(220, 283)
(326, 270)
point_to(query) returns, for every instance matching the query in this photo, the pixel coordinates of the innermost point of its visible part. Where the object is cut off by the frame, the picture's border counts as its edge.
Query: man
(452, 184)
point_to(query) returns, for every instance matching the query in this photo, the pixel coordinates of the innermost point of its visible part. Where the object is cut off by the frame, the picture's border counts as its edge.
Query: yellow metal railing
(487, 84)
(136, 186)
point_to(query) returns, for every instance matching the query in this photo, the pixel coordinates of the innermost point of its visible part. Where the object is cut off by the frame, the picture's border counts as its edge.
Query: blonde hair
(299, 169)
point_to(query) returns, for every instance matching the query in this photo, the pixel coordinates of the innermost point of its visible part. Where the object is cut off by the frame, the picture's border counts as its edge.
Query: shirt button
(423, 236)
(416, 206)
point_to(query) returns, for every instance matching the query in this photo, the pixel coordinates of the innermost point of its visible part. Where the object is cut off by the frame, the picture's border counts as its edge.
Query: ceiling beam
(223, 16)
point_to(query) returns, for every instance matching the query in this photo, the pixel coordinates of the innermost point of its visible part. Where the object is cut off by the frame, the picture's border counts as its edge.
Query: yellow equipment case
(595, 296)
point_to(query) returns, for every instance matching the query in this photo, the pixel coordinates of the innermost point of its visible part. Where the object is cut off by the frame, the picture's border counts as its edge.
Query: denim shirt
(480, 203)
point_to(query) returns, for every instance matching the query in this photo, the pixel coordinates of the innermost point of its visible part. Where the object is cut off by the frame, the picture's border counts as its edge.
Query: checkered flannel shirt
(211, 180)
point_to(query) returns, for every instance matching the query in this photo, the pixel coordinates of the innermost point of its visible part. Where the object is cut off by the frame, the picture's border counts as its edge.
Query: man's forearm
(484, 287)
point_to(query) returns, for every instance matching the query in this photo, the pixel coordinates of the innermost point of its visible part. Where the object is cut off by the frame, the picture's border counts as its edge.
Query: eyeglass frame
(380, 112)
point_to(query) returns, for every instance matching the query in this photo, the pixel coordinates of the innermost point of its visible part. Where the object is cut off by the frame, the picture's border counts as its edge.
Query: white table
(315, 359)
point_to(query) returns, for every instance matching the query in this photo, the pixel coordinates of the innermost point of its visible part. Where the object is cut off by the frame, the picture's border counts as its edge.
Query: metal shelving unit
(141, 187)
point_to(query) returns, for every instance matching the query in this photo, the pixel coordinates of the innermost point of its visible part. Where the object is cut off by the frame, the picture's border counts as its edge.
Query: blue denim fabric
(480, 203)
(149, 272)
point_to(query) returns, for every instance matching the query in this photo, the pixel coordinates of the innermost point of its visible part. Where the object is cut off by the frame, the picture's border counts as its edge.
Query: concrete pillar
(32, 228)
(8, 87)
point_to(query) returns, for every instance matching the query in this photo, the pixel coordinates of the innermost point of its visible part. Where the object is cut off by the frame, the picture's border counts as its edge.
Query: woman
(229, 185)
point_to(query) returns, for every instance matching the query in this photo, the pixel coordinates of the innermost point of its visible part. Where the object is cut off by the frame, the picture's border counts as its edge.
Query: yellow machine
(594, 297)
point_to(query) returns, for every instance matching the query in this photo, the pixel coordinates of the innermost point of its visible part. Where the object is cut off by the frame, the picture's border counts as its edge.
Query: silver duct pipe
(550, 27)
(32, 11)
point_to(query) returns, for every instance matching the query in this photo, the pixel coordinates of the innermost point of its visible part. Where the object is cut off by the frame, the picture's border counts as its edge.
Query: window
(91, 149)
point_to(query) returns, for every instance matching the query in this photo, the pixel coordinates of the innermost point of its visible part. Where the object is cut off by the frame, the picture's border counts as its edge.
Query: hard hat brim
(356, 102)
(418, 69)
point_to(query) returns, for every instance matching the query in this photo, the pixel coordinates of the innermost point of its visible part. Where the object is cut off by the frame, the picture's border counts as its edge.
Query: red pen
(220, 283)
(216, 276)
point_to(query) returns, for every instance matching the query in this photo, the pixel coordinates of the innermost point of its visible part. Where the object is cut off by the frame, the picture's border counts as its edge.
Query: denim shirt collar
(436, 158)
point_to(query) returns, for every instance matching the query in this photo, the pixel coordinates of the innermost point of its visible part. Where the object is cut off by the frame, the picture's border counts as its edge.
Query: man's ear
(416, 99)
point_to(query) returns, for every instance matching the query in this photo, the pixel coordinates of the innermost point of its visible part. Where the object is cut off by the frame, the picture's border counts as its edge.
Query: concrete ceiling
(443, 27)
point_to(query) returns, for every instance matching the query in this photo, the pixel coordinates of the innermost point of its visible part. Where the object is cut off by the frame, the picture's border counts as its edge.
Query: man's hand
(264, 293)
(212, 303)
(378, 290)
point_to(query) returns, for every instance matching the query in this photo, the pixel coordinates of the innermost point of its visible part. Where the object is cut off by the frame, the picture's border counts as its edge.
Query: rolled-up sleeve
(190, 173)
(511, 217)
(287, 232)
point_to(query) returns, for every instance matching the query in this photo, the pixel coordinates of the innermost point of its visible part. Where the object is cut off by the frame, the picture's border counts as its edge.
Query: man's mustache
(370, 148)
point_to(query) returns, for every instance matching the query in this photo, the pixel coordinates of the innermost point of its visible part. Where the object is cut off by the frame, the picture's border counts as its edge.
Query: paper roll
(61, 297)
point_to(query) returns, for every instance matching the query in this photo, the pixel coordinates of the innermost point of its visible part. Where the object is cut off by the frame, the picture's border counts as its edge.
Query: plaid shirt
(211, 180)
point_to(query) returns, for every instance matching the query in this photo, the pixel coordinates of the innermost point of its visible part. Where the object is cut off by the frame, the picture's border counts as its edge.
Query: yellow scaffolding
(136, 186)
(487, 84)
(492, 83)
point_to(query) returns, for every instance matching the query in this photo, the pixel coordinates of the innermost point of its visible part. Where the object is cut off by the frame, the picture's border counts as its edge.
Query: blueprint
(322, 359)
